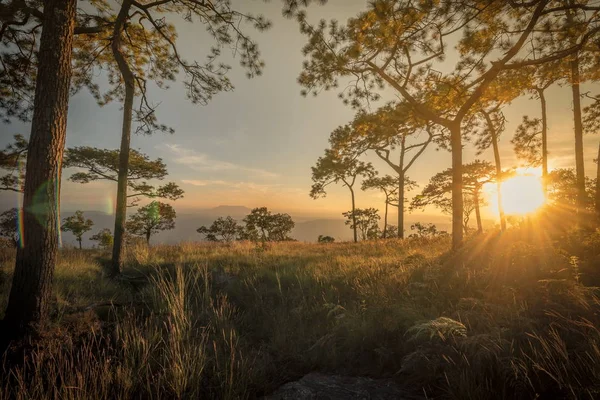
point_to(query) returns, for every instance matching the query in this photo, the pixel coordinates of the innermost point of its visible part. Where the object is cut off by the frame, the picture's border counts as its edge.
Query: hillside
(509, 316)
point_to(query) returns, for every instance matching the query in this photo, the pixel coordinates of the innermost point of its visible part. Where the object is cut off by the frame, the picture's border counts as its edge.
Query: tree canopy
(221, 230)
(103, 164)
(78, 225)
(151, 219)
(262, 224)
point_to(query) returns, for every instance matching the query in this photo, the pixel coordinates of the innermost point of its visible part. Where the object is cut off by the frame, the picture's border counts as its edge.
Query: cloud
(274, 189)
(203, 162)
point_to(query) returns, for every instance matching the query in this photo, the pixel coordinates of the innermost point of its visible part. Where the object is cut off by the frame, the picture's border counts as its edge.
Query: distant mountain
(224, 211)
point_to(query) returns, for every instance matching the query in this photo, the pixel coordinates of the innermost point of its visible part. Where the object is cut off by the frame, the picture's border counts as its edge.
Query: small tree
(104, 238)
(151, 219)
(425, 230)
(389, 186)
(365, 220)
(77, 225)
(262, 225)
(337, 167)
(221, 230)
(325, 239)
(9, 221)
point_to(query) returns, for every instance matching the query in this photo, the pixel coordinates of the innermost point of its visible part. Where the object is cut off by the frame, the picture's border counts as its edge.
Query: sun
(521, 194)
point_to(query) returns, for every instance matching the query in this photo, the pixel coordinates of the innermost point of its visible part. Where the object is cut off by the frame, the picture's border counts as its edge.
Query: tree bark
(478, 213)
(598, 183)
(385, 218)
(401, 205)
(353, 214)
(121, 206)
(544, 142)
(498, 163)
(578, 125)
(31, 289)
(457, 198)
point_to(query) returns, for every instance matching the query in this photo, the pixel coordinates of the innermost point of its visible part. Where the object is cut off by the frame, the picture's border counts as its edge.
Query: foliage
(335, 167)
(104, 238)
(265, 226)
(221, 230)
(527, 141)
(101, 164)
(562, 188)
(365, 220)
(9, 226)
(425, 230)
(325, 239)
(11, 160)
(77, 225)
(151, 219)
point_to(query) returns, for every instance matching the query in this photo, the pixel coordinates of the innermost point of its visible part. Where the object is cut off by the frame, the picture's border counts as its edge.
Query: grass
(508, 316)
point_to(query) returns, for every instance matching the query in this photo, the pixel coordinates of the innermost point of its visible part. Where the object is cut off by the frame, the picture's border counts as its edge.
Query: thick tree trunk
(597, 204)
(34, 268)
(353, 214)
(478, 213)
(544, 142)
(457, 198)
(121, 206)
(401, 205)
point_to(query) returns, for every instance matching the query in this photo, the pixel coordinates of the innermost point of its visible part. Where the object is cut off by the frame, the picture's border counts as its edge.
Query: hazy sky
(255, 146)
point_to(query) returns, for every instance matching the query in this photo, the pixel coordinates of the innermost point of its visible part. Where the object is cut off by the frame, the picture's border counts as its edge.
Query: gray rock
(315, 386)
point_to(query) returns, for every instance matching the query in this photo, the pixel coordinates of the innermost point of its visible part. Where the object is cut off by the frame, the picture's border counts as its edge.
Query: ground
(509, 315)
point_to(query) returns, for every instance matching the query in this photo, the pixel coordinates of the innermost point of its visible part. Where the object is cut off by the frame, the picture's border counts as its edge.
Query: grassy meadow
(511, 315)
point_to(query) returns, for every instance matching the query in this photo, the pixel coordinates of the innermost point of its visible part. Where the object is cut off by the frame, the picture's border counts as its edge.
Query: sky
(254, 146)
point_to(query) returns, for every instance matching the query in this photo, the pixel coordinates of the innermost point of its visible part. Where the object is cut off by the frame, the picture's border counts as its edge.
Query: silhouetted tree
(335, 167)
(591, 124)
(9, 226)
(396, 136)
(103, 164)
(104, 238)
(438, 190)
(397, 43)
(221, 230)
(426, 230)
(366, 220)
(389, 186)
(265, 226)
(325, 239)
(150, 219)
(77, 225)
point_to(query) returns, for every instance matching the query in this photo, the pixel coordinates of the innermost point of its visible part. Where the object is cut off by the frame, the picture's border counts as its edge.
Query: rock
(315, 386)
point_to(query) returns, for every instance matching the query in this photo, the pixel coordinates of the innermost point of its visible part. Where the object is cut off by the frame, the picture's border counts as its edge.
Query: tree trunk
(129, 79)
(79, 240)
(478, 213)
(401, 205)
(544, 143)
(385, 218)
(148, 234)
(579, 160)
(34, 268)
(598, 183)
(353, 215)
(498, 163)
(457, 198)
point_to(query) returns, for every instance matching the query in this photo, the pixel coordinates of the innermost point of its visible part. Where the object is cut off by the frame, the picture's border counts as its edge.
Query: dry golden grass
(511, 315)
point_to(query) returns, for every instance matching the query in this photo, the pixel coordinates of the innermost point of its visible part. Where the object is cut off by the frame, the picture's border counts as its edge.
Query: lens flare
(109, 205)
(20, 226)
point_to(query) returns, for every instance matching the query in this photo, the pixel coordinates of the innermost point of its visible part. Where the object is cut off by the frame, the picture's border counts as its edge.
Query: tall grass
(508, 316)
